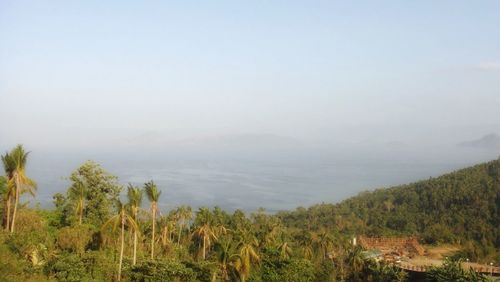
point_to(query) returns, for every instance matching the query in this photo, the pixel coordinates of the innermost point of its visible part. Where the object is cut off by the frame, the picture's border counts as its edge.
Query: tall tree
(134, 195)
(101, 190)
(166, 226)
(306, 242)
(121, 219)
(324, 242)
(3, 185)
(204, 233)
(184, 215)
(226, 255)
(10, 188)
(248, 254)
(4, 196)
(78, 193)
(285, 249)
(15, 166)
(356, 262)
(153, 195)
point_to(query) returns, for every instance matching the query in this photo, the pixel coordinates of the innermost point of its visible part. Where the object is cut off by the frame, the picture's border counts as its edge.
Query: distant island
(489, 141)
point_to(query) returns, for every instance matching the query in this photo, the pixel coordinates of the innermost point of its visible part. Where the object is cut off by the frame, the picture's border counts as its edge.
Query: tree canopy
(99, 189)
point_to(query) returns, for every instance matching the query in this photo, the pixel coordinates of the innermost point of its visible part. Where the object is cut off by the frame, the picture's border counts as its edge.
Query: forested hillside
(460, 207)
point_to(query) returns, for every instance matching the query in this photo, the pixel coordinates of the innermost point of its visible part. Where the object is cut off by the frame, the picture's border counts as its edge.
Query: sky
(95, 73)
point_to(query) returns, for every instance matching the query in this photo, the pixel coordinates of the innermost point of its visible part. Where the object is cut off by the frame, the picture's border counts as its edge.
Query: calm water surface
(272, 181)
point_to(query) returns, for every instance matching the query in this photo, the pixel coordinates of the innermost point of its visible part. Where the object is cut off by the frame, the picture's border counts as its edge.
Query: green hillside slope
(460, 207)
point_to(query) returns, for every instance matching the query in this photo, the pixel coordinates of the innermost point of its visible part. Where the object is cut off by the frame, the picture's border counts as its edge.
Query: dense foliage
(92, 235)
(452, 271)
(462, 207)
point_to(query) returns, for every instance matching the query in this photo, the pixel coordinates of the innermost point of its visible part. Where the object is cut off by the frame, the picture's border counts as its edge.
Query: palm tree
(79, 192)
(248, 254)
(285, 250)
(122, 219)
(15, 165)
(4, 195)
(278, 238)
(271, 235)
(205, 232)
(9, 167)
(184, 215)
(305, 241)
(175, 218)
(153, 195)
(381, 271)
(356, 261)
(166, 225)
(226, 255)
(452, 270)
(134, 195)
(324, 242)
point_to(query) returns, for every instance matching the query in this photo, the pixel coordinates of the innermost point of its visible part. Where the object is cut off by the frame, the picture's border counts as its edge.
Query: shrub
(74, 238)
(162, 270)
(296, 270)
(67, 267)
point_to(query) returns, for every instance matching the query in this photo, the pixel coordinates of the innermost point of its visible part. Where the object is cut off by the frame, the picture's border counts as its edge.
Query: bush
(296, 270)
(32, 239)
(68, 267)
(11, 268)
(452, 271)
(101, 266)
(326, 272)
(91, 266)
(74, 238)
(162, 270)
(204, 270)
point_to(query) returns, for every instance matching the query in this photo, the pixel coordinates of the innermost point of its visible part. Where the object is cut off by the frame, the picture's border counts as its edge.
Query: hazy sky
(86, 71)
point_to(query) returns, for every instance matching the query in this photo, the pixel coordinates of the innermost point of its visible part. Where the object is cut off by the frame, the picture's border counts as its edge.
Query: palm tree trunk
(179, 236)
(135, 247)
(214, 277)
(9, 201)
(153, 234)
(81, 211)
(121, 250)
(224, 272)
(203, 251)
(15, 205)
(163, 236)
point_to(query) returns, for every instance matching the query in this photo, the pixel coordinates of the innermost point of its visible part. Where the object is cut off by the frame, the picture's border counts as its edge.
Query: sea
(247, 180)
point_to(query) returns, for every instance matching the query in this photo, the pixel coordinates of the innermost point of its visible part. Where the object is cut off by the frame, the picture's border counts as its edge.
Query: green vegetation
(452, 271)
(18, 183)
(462, 207)
(91, 235)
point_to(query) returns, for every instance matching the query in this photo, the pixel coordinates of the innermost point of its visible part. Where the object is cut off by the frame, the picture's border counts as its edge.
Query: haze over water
(270, 104)
(272, 180)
